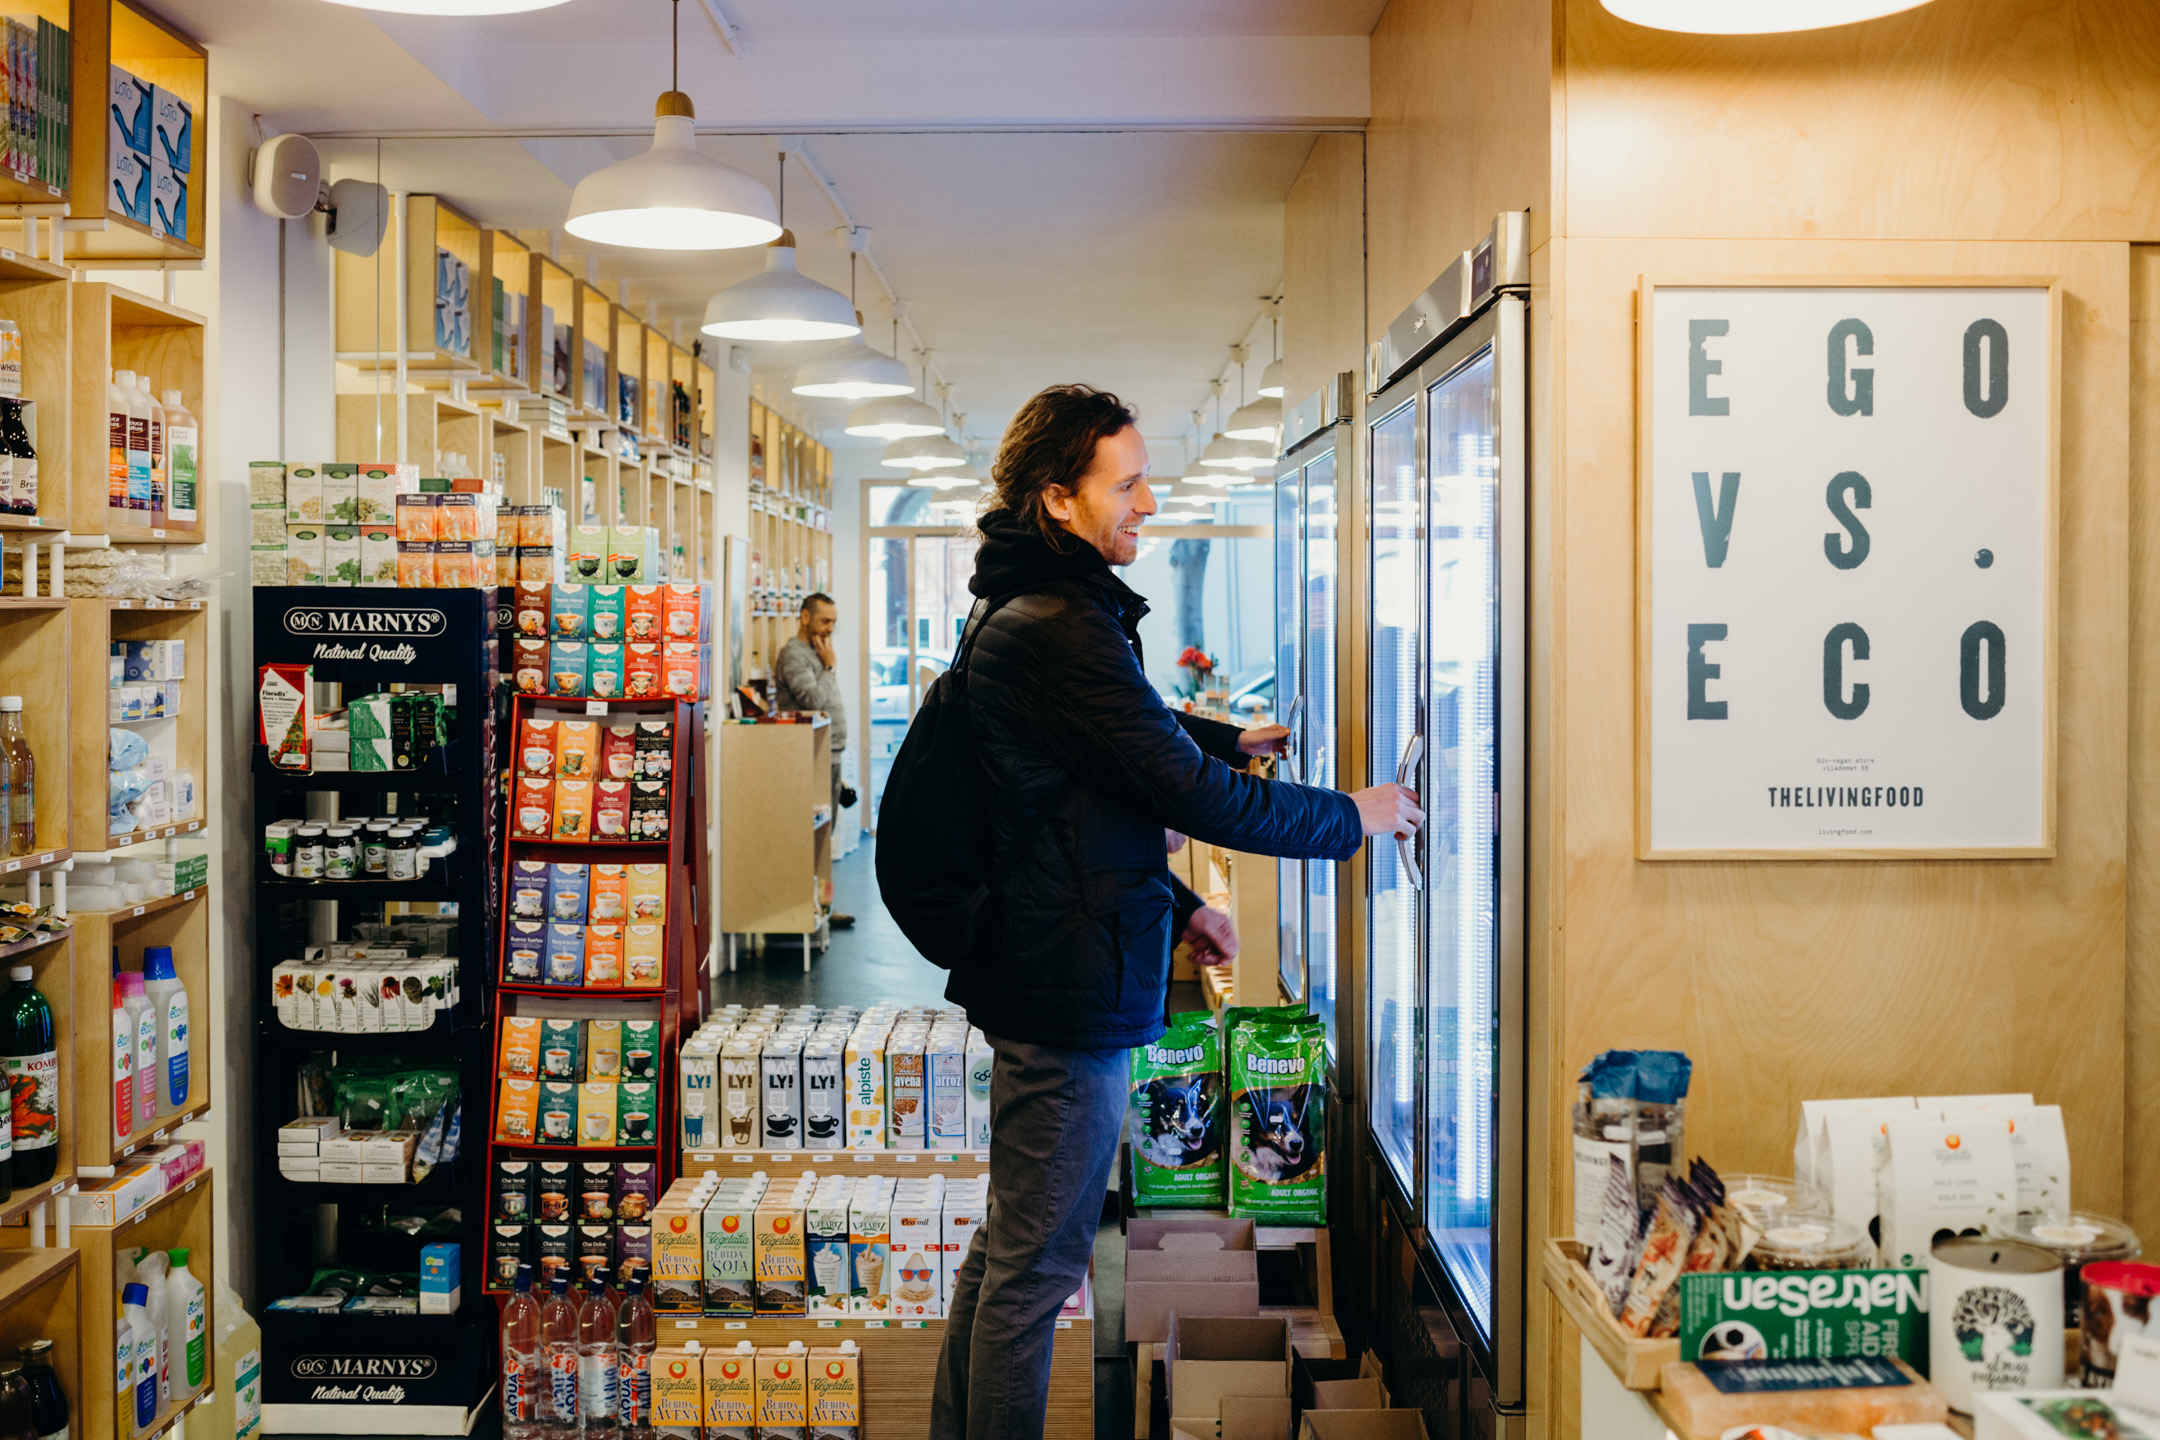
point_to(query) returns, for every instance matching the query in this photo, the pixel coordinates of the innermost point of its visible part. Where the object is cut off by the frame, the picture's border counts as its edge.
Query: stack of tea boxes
(809, 1079)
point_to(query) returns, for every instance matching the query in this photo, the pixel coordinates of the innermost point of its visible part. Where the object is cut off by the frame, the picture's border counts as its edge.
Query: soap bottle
(181, 441)
(169, 1009)
(118, 413)
(156, 414)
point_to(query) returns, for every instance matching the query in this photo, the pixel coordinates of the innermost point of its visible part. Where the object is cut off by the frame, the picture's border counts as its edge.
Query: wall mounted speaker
(286, 176)
(359, 209)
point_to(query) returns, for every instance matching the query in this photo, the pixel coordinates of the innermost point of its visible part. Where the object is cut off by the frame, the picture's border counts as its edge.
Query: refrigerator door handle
(1290, 723)
(1406, 849)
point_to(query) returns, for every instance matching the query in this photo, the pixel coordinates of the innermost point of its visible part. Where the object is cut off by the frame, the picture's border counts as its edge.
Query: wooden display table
(776, 825)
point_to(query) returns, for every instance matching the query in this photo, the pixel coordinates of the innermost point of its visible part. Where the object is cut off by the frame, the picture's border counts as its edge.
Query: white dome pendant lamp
(854, 371)
(1753, 17)
(1259, 420)
(896, 417)
(451, 7)
(780, 302)
(1273, 380)
(672, 197)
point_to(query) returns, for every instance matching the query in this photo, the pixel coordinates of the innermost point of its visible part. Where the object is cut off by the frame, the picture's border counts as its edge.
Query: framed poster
(1846, 561)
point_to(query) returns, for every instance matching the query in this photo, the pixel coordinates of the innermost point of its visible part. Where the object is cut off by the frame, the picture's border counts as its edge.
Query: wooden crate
(1634, 1361)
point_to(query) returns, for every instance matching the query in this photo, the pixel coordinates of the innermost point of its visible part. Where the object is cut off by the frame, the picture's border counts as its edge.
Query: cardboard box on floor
(1190, 1264)
(1229, 1377)
(1363, 1425)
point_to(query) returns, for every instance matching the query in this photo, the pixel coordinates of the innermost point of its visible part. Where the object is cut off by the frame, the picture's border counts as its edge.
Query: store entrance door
(918, 555)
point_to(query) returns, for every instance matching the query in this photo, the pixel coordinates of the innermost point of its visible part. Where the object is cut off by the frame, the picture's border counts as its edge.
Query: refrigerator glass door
(1462, 811)
(1289, 637)
(1393, 904)
(1316, 746)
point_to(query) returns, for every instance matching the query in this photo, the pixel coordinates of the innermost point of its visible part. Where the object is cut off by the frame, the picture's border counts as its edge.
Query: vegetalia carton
(783, 1392)
(731, 1393)
(836, 1392)
(678, 1391)
(678, 1254)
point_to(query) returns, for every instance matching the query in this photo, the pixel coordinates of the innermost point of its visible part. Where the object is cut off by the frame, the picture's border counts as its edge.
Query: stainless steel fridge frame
(1477, 305)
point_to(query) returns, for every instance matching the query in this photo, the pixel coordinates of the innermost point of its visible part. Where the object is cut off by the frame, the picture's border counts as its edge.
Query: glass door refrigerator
(1315, 433)
(1447, 428)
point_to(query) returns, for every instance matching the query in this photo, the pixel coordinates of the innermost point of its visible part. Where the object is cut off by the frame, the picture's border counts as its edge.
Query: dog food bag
(1278, 1098)
(1178, 1116)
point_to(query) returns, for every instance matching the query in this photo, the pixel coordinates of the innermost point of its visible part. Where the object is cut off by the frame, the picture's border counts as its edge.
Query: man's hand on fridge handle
(1212, 937)
(1265, 740)
(1389, 810)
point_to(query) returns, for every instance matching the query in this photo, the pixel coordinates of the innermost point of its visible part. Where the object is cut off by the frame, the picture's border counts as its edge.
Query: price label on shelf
(596, 707)
(1064, 1324)
(906, 1159)
(913, 1324)
(865, 1158)
(686, 1324)
(735, 1324)
(877, 1324)
(744, 1159)
(828, 1324)
(782, 1157)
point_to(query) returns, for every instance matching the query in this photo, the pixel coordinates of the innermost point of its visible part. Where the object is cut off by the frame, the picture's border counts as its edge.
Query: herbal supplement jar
(402, 857)
(307, 854)
(375, 848)
(341, 853)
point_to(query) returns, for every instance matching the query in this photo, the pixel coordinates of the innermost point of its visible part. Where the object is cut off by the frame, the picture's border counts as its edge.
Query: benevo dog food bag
(1278, 1107)
(1178, 1115)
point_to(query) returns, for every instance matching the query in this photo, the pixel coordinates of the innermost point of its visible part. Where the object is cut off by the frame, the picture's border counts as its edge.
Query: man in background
(804, 679)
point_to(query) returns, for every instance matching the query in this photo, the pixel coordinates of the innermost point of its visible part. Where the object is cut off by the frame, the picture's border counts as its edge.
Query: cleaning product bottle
(138, 1003)
(187, 1325)
(233, 1411)
(123, 1064)
(142, 1347)
(152, 1272)
(117, 414)
(30, 1056)
(138, 446)
(181, 439)
(156, 414)
(169, 1007)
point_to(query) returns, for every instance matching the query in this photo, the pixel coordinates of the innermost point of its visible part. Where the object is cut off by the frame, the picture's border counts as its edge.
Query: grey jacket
(801, 681)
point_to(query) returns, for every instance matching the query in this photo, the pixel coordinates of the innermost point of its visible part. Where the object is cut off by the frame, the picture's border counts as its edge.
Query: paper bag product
(864, 1070)
(678, 1391)
(524, 951)
(529, 665)
(603, 957)
(558, 1112)
(1179, 1121)
(2040, 1149)
(1956, 1175)
(904, 1090)
(783, 1397)
(678, 1250)
(739, 1083)
(1811, 1145)
(611, 810)
(528, 890)
(643, 948)
(1278, 1097)
(836, 1392)
(1851, 1156)
(517, 1111)
(870, 1246)
(603, 1048)
(639, 1117)
(610, 901)
(569, 889)
(568, 665)
(573, 809)
(597, 1113)
(618, 751)
(604, 612)
(646, 886)
(520, 1053)
(536, 746)
(731, 1393)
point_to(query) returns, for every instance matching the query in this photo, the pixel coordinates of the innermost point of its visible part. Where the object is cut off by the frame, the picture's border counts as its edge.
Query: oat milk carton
(870, 1246)
(782, 1254)
(678, 1251)
(905, 1088)
(824, 1105)
(864, 1070)
(739, 1094)
(836, 1392)
(700, 1095)
(783, 1392)
(731, 1393)
(678, 1391)
(781, 1095)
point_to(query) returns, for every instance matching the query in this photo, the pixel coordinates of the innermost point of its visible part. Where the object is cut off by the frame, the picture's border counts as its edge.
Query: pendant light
(895, 417)
(451, 7)
(1272, 379)
(781, 303)
(1224, 453)
(852, 371)
(1753, 17)
(924, 452)
(672, 197)
(1259, 420)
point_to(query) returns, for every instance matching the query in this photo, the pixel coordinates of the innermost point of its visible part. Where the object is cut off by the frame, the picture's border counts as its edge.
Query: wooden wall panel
(1787, 981)
(2141, 1029)
(1962, 119)
(1462, 128)
(1323, 310)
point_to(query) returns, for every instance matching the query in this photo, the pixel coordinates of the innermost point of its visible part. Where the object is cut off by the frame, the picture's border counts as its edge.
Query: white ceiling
(1130, 250)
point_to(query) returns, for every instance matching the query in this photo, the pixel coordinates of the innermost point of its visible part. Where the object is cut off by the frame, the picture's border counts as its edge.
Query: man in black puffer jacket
(1085, 769)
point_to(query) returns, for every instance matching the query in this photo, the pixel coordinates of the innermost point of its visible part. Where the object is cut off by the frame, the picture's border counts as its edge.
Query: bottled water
(559, 1342)
(524, 1371)
(636, 1337)
(596, 1357)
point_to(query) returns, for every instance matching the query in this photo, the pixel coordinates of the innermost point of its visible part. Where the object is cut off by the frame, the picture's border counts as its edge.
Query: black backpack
(934, 861)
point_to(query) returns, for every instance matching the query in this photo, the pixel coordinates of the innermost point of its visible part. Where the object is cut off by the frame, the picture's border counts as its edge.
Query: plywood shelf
(104, 34)
(181, 922)
(94, 624)
(114, 328)
(367, 292)
(41, 1298)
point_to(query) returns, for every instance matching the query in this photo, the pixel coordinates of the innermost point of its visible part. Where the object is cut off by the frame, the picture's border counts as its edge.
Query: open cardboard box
(1363, 1425)
(1190, 1265)
(1229, 1377)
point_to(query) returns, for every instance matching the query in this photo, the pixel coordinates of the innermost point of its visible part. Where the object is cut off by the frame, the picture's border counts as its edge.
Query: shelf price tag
(905, 1159)
(877, 1324)
(1064, 1324)
(596, 707)
(783, 1157)
(744, 1159)
(828, 1324)
(735, 1324)
(686, 1324)
(912, 1324)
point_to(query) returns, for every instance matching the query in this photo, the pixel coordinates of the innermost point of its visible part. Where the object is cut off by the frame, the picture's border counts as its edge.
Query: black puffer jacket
(1086, 767)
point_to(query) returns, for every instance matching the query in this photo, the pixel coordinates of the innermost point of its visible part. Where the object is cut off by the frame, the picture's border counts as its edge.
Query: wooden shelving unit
(790, 530)
(555, 289)
(93, 625)
(595, 328)
(34, 647)
(506, 259)
(41, 1298)
(115, 328)
(183, 923)
(369, 289)
(35, 296)
(52, 963)
(627, 360)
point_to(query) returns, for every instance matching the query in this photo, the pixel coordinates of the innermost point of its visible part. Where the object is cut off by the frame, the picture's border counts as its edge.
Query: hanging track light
(450, 7)
(1273, 380)
(1753, 17)
(672, 197)
(781, 303)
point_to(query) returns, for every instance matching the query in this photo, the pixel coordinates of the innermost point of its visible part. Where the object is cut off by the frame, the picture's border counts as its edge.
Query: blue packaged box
(568, 892)
(168, 198)
(132, 115)
(131, 186)
(569, 667)
(438, 1279)
(172, 125)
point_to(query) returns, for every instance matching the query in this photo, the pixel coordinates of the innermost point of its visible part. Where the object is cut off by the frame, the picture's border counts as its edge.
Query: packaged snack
(565, 955)
(604, 957)
(562, 1050)
(573, 809)
(610, 895)
(530, 658)
(1664, 1252)
(536, 746)
(553, 1181)
(520, 1053)
(603, 1044)
(647, 888)
(605, 612)
(568, 887)
(643, 609)
(517, 1112)
(558, 1112)
(567, 613)
(611, 811)
(642, 951)
(567, 665)
(596, 1112)
(1179, 1121)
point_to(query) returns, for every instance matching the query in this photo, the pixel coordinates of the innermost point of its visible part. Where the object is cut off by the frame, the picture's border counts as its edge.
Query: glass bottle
(30, 1051)
(21, 778)
(48, 1404)
(15, 1421)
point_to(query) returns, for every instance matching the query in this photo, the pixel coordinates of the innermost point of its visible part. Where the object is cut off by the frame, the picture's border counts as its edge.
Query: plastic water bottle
(523, 1370)
(596, 1357)
(559, 1342)
(636, 1337)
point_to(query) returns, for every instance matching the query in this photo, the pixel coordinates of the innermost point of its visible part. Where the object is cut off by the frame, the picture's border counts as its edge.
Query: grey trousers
(1055, 1119)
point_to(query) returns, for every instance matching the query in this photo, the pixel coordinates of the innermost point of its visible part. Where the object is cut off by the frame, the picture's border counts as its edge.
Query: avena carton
(678, 1254)
(783, 1392)
(905, 1089)
(864, 1075)
(678, 1391)
(729, 1269)
(731, 1393)
(836, 1392)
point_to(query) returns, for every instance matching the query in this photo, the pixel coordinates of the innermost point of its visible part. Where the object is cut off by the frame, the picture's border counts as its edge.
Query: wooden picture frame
(1861, 843)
